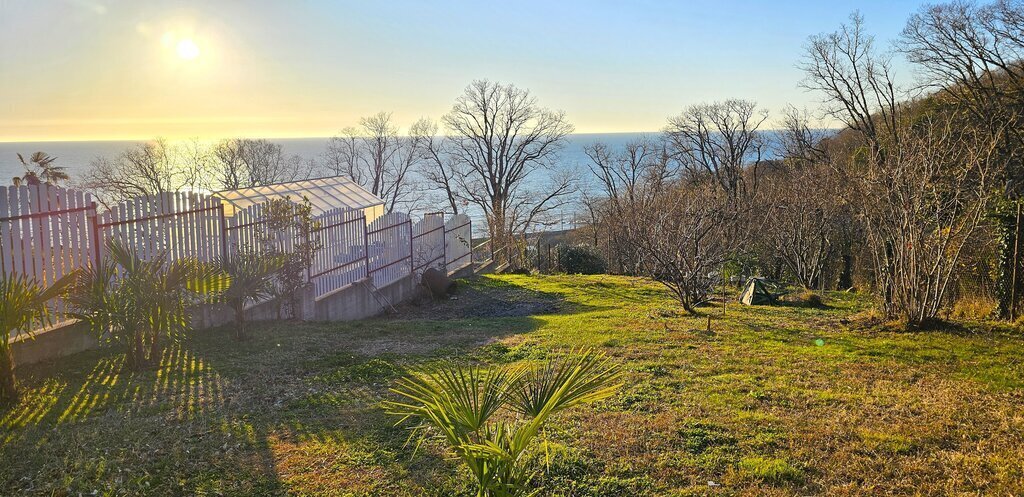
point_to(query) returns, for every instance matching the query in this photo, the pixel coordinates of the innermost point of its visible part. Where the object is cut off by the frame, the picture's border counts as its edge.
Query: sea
(76, 157)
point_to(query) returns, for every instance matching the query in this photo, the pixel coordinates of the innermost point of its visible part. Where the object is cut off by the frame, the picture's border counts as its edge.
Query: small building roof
(323, 194)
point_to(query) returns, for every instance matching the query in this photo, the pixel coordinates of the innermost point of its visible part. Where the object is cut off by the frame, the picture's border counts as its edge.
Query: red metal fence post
(366, 245)
(223, 233)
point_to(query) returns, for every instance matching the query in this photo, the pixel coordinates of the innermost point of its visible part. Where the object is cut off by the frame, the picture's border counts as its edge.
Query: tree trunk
(154, 351)
(8, 385)
(240, 322)
(136, 355)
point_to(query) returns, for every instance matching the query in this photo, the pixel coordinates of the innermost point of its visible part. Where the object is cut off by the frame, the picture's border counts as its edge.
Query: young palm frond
(491, 417)
(580, 377)
(252, 280)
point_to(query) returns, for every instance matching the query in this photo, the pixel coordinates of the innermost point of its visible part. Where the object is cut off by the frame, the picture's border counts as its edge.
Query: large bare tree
(498, 136)
(720, 139)
(855, 80)
(970, 55)
(375, 155)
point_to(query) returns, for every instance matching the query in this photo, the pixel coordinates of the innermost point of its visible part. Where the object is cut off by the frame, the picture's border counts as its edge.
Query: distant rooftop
(323, 193)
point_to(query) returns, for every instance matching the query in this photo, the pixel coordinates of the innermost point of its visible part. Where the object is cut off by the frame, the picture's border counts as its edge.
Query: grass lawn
(773, 401)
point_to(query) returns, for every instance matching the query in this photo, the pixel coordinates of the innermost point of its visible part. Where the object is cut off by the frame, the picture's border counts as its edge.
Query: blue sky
(88, 69)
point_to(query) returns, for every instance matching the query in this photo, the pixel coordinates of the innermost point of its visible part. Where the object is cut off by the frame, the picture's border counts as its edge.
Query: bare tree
(244, 163)
(685, 238)
(720, 139)
(376, 156)
(630, 180)
(805, 221)
(859, 90)
(142, 169)
(970, 55)
(927, 198)
(855, 80)
(437, 168)
(800, 142)
(498, 137)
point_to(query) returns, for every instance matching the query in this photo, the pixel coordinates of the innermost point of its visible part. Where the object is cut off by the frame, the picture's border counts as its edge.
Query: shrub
(252, 280)
(810, 299)
(137, 303)
(22, 308)
(581, 259)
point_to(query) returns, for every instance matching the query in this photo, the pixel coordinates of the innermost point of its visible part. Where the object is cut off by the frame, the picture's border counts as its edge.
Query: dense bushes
(581, 259)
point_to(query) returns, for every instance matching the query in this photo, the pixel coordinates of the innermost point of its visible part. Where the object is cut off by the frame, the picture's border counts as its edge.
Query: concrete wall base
(353, 302)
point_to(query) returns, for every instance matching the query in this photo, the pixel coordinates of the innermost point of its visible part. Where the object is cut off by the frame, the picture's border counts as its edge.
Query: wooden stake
(1013, 280)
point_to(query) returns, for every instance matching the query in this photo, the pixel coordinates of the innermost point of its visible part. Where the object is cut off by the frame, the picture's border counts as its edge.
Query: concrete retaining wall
(57, 342)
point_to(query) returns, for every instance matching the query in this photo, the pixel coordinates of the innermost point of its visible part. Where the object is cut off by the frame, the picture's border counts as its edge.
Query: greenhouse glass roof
(323, 193)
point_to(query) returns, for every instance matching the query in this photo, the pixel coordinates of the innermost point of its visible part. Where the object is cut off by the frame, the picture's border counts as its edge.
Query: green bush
(581, 259)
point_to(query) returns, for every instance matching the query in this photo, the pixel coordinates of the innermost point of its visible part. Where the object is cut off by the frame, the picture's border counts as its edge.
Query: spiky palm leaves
(22, 308)
(49, 173)
(136, 302)
(252, 280)
(489, 417)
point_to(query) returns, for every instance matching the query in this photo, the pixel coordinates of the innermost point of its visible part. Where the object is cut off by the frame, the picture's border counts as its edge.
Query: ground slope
(771, 401)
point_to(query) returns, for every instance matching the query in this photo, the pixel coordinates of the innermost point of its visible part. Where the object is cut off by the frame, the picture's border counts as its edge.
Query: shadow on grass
(293, 407)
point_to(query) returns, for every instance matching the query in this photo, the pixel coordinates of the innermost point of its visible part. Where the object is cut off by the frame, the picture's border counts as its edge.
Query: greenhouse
(324, 194)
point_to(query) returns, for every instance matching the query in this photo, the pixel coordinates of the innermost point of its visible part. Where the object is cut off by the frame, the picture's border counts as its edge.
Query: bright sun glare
(187, 49)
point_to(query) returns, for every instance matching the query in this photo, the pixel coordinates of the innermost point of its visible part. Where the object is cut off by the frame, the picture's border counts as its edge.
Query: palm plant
(252, 280)
(22, 308)
(490, 417)
(137, 303)
(49, 173)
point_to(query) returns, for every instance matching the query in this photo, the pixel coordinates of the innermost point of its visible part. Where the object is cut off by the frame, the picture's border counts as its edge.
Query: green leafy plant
(581, 259)
(490, 417)
(22, 308)
(289, 235)
(48, 172)
(138, 303)
(252, 280)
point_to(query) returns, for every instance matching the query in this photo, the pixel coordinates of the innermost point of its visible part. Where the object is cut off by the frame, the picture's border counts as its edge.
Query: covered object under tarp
(758, 291)
(324, 194)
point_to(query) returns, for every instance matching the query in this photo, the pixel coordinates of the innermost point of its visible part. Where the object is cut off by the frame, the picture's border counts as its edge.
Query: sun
(187, 49)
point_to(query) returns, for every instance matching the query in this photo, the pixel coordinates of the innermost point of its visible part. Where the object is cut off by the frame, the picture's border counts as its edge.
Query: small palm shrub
(581, 259)
(252, 280)
(22, 308)
(490, 417)
(140, 303)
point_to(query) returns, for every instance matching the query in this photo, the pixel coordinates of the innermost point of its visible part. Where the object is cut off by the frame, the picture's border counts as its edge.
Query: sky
(108, 69)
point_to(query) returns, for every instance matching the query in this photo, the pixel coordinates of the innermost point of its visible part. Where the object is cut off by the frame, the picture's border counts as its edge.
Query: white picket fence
(458, 243)
(342, 258)
(173, 225)
(47, 232)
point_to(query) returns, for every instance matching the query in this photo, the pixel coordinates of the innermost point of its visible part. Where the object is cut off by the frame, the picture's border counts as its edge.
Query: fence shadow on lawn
(296, 404)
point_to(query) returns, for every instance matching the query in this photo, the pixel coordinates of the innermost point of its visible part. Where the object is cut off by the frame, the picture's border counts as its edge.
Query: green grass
(779, 400)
